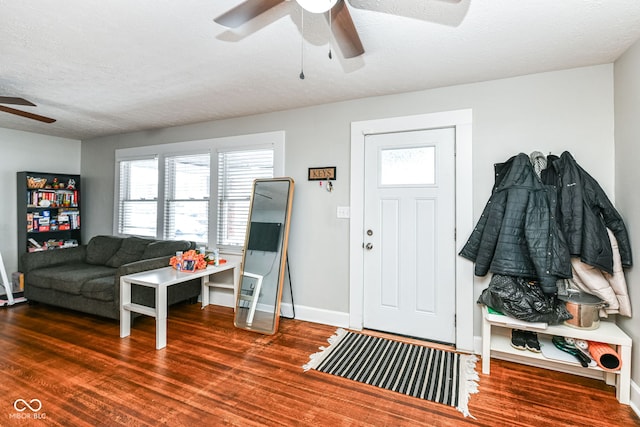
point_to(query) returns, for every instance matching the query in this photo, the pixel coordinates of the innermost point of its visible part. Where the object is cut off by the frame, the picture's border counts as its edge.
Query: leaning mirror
(265, 256)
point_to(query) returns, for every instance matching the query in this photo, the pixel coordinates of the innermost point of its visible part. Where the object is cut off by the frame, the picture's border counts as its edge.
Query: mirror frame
(283, 257)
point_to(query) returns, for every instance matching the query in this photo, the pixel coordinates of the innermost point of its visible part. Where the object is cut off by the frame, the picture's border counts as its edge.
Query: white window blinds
(186, 197)
(236, 172)
(138, 195)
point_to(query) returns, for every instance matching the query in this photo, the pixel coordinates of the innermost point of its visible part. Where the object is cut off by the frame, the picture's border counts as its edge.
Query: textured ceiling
(108, 67)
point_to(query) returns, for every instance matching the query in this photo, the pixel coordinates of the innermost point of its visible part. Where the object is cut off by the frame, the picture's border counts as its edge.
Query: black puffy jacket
(517, 233)
(585, 214)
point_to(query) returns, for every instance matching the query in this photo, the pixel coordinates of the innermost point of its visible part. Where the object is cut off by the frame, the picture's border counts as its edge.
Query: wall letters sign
(322, 174)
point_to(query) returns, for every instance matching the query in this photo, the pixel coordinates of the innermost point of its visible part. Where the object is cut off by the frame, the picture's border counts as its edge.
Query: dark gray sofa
(87, 277)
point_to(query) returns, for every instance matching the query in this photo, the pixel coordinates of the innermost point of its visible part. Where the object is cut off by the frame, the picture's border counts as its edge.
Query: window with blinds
(181, 191)
(186, 197)
(138, 197)
(236, 172)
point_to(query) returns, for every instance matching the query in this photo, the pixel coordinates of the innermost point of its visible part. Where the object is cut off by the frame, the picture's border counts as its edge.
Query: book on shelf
(70, 218)
(29, 222)
(44, 221)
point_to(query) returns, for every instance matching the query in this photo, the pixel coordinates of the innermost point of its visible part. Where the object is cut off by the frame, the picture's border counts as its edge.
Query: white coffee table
(160, 279)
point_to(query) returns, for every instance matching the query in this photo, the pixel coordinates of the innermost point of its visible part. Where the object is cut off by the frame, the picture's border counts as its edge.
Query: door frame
(461, 120)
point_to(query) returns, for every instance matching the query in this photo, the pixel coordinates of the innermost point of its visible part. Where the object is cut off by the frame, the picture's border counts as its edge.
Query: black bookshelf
(48, 211)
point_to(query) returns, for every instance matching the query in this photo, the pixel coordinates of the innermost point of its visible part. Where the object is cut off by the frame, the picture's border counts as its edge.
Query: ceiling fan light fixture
(317, 6)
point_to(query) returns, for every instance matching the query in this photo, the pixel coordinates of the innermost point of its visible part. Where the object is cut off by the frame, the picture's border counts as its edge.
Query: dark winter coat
(517, 233)
(585, 214)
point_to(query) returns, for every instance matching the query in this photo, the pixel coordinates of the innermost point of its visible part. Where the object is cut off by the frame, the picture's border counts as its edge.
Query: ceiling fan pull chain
(329, 12)
(302, 44)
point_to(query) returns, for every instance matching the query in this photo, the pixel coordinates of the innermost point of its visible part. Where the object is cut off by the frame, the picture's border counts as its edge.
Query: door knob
(369, 246)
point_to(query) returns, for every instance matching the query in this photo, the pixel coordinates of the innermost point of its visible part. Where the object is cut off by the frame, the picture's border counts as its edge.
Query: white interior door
(409, 234)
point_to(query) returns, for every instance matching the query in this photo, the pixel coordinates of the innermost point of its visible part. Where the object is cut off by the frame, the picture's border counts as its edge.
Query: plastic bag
(523, 300)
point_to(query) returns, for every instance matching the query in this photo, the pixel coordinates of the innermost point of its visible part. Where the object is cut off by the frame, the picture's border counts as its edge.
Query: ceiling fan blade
(245, 12)
(27, 115)
(345, 31)
(16, 101)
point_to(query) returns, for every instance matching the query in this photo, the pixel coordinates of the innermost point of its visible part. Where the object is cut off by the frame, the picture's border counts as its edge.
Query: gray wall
(25, 151)
(551, 112)
(627, 177)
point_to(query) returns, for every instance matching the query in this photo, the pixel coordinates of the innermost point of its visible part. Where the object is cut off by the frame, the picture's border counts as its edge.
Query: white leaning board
(5, 282)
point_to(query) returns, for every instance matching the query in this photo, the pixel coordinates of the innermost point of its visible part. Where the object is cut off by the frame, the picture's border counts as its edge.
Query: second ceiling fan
(342, 24)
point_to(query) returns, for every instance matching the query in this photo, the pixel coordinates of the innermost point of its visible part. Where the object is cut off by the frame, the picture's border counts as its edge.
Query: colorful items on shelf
(53, 198)
(43, 221)
(35, 246)
(41, 182)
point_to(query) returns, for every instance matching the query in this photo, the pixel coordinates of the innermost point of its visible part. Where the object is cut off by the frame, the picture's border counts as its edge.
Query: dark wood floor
(213, 374)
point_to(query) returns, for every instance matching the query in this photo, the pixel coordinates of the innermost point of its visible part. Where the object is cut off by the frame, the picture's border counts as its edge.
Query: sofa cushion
(131, 250)
(165, 248)
(101, 248)
(68, 278)
(100, 288)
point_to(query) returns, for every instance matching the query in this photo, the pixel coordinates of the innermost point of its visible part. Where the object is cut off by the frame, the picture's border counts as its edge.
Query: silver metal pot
(584, 308)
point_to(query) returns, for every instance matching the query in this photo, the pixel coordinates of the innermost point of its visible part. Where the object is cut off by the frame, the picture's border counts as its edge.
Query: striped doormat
(418, 371)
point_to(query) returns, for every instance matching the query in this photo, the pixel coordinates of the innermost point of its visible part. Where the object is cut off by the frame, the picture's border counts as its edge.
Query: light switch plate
(344, 212)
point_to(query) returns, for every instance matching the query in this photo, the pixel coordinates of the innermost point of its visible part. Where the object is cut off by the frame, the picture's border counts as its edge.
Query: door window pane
(408, 166)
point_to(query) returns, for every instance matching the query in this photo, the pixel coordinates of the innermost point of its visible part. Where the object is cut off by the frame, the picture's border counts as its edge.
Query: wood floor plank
(212, 374)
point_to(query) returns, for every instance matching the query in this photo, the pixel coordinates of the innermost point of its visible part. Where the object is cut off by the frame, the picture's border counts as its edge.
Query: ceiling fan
(342, 24)
(22, 101)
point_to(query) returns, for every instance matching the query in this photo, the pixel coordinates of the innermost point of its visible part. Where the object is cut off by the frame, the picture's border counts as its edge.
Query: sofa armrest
(33, 260)
(142, 265)
(136, 267)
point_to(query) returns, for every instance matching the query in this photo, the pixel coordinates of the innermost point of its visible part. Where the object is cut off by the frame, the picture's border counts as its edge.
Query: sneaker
(531, 341)
(518, 339)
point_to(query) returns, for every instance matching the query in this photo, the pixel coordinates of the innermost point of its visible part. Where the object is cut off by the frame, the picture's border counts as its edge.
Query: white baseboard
(316, 315)
(477, 344)
(305, 313)
(221, 297)
(635, 398)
